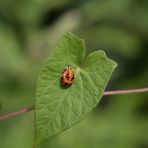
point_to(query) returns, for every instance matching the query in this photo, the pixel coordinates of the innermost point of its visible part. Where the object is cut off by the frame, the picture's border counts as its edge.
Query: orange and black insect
(68, 76)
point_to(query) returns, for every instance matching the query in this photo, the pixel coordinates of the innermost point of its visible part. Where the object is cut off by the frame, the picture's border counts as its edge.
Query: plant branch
(16, 113)
(123, 92)
(106, 93)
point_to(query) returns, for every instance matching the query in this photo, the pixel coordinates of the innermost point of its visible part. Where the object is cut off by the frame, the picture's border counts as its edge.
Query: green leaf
(58, 108)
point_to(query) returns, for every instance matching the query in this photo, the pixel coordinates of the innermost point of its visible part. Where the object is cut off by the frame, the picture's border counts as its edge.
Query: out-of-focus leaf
(11, 58)
(0, 105)
(115, 39)
(29, 13)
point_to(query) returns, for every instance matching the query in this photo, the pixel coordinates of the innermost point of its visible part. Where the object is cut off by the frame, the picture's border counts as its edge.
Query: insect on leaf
(58, 108)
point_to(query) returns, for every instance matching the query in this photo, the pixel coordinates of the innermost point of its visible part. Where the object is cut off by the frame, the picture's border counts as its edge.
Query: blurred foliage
(29, 30)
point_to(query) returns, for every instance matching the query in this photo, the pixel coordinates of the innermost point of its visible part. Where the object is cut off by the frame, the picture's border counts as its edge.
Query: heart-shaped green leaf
(58, 108)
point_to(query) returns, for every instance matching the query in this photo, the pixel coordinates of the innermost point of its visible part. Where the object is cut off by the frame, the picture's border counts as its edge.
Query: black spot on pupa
(67, 77)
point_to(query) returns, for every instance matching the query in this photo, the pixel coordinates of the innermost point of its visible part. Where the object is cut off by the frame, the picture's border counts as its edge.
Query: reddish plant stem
(106, 93)
(16, 113)
(123, 92)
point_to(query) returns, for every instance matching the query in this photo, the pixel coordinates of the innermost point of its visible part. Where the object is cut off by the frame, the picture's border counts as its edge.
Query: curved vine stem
(106, 93)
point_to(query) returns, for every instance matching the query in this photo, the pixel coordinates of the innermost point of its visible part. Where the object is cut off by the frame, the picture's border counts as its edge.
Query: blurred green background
(30, 29)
